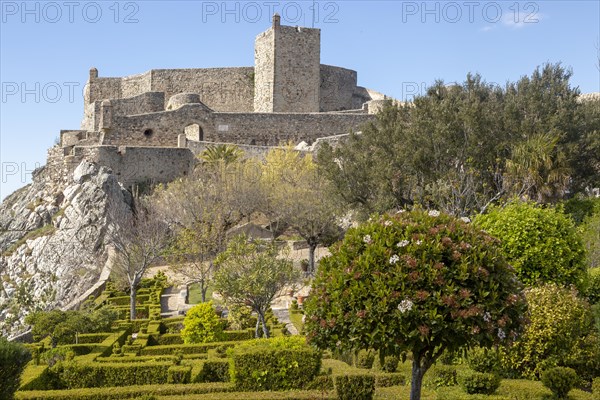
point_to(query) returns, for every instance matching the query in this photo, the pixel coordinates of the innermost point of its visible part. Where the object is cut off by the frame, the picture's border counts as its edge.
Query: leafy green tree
(558, 334)
(299, 196)
(251, 273)
(202, 324)
(541, 243)
(13, 359)
(590, 231)
(414, 282)
(221, 153)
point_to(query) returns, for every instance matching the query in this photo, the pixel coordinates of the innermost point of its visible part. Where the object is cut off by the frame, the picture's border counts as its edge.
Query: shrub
(355, 387)
(240, 317)
(560, 326)
(390, 364)
(444, 375)
(560, 380)
(179, 374)
(387, 380)
(480, 382)
(321, 382)
(169, 338)
(364, 359)
(274, 364)
(593, 286)
(215, 371)
(483, 360)
(202, 325)
(541, 243)
(596, 389)
(13, 359)
(82, 375)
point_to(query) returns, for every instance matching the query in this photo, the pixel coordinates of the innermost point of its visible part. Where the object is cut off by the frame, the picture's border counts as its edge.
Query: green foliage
(390, 364)
(480, 382)
(13, 359)
(355, 387)
(215, 371)
(202, 325)
(62, 326)
(560, 324)
(590, 231)
(416, 281)
(443, 375)
(541, 243)
(130, 392)
(179, 374)
(483, 360)
(560, 380)
(592, 292)
(581, 208)
(252, 273)
(596, 388)
(391, 379)
(82, 375)
(240, 317)
(274, 364)
(364, 359)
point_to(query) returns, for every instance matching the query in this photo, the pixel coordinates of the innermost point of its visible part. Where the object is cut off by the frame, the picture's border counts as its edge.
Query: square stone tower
(287, 69)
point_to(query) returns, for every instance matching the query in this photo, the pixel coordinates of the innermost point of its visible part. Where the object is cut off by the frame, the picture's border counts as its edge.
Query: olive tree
(251, 273)
(414, 282)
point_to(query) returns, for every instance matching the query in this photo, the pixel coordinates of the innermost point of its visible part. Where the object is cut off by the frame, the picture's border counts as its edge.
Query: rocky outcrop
(53, 240)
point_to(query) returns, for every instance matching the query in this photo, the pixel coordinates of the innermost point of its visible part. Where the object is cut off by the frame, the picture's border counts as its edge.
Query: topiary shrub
(179, 374)
(560, 332)
(443, 375)
(13, 359)
(215, 371)
(202, 325)
(355, 387)
(391, 379)
(364, 359)
(559, 380)
(414, 282)
(390, 364)
(596, 389)
(483, 360)
(280, 363)
(480, 383)
(541, 243)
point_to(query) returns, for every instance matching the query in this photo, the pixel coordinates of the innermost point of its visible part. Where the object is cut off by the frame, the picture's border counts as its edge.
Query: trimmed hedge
(274, 364)
(480, 383)
(355, 387)
(76, 375)
(124, 300)
(559, 380)
(179, 374)
(231, 336)
(117, 393)
(214, 371)
(391, 379)
(86, 338)
(168, 339)
(185, 348)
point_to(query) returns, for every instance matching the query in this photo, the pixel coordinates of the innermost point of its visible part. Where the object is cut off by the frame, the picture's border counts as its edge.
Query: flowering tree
(416, 281)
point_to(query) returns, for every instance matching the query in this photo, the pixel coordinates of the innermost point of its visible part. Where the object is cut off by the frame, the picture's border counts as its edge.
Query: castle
(151, 126)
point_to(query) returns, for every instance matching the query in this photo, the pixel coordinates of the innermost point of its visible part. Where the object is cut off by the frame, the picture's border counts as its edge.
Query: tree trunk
(312, 246)
(417, 379)
(263, 323)
(132, 297)
(203, 290)
(257, 327)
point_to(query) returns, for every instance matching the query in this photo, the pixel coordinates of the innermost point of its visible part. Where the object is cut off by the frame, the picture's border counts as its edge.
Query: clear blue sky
(397, 47)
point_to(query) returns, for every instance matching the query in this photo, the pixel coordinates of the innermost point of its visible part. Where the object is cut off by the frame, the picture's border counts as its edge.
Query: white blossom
(405, 305)
(402, 243)
(394, 259)
(465, 219)
(434, 213)
(387, 223)
(367, 239)
(400, 211)
(487, 317)
(418, 242)
(501, 334)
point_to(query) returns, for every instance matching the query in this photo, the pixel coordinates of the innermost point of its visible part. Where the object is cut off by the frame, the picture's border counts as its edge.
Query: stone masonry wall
(222, 89)
(297, 69)
(265, 129)
(337, 88)
(264, 61)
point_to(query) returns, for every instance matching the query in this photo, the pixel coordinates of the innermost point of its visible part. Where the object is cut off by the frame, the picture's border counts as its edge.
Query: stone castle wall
(266, 129)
